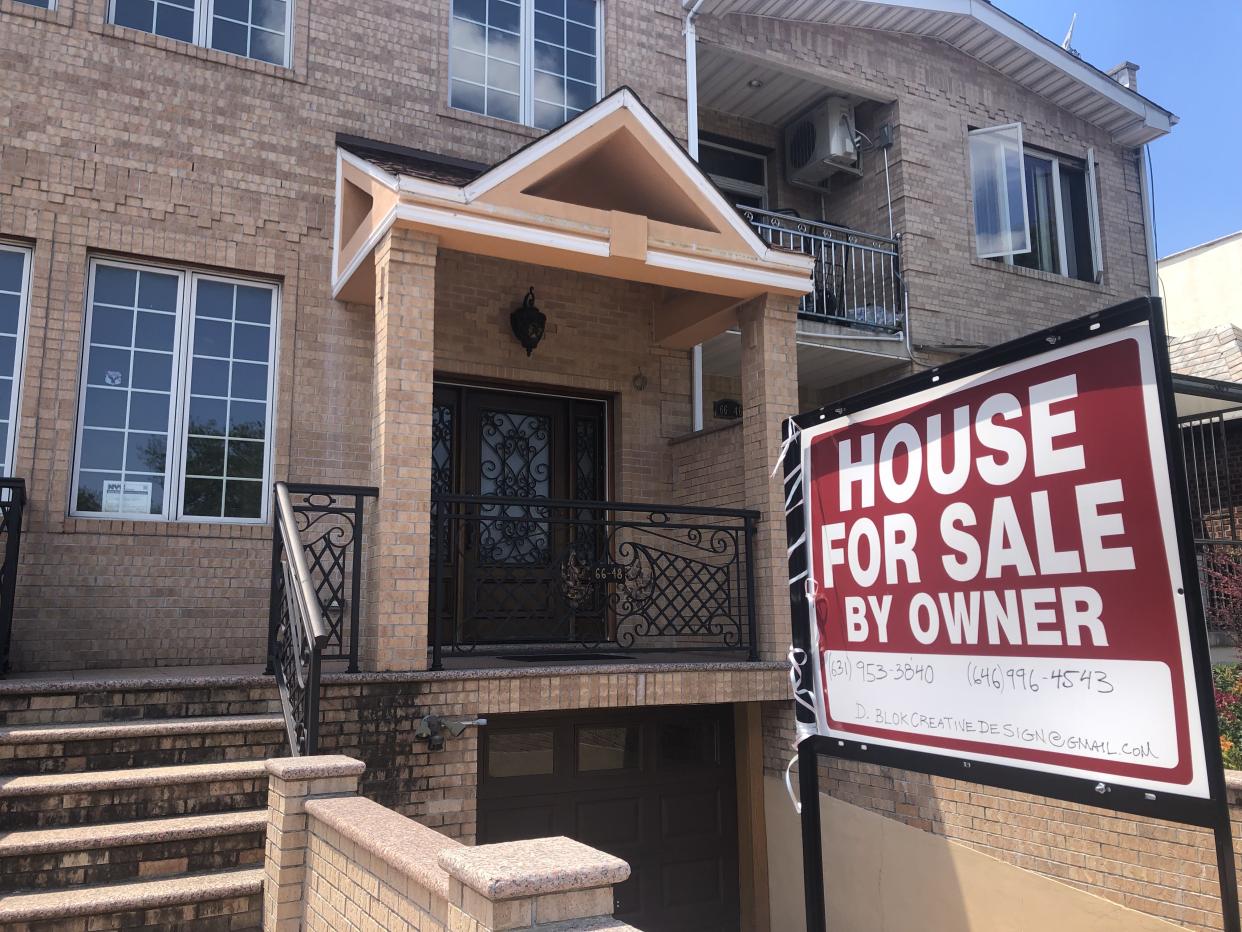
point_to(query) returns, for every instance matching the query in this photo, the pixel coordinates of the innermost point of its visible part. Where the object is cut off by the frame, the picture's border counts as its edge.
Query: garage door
(655, 787)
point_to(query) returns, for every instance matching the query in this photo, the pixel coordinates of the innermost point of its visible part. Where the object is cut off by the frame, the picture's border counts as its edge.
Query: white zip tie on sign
(794, 431)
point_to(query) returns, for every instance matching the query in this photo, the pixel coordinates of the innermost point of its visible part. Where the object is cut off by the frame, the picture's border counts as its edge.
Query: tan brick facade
(120, 144)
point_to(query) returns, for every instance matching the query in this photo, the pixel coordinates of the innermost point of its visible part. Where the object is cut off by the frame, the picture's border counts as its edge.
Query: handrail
(309, 608)
(12, 508)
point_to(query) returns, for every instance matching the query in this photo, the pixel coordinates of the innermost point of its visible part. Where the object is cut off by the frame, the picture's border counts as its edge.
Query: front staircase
(135, 805)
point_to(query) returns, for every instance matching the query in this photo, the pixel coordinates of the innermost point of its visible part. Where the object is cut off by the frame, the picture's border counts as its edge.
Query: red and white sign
(996, 572)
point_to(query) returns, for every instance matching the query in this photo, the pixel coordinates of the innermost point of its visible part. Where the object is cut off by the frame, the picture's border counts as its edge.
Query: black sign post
(1211, 812)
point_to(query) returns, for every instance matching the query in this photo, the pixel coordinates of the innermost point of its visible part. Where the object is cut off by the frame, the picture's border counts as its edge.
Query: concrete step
(46, 701)
(32, 801)
(121, 851)
(147, 742)
(205, 902)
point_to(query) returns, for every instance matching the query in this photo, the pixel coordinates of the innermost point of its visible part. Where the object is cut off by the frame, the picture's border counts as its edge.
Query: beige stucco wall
(882, 876)
(1202, 287)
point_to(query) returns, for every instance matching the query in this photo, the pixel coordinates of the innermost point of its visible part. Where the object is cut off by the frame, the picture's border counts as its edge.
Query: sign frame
(1210, 812)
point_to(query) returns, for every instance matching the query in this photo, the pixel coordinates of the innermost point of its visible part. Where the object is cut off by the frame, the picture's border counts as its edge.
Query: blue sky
(1190, 58)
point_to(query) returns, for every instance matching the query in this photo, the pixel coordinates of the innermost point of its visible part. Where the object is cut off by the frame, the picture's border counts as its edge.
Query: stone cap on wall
(401, 843)
(531, 868)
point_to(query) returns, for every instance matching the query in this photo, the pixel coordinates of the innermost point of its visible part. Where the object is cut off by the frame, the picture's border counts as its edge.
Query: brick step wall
(135, 806)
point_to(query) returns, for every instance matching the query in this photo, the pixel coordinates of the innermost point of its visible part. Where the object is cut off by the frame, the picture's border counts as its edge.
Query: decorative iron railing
(318, 537)
(1212, 454)
(524, 576)
(12, 510)
(857, 276)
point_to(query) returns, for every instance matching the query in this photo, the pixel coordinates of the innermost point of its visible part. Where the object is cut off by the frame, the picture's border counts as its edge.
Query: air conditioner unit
(820, 143)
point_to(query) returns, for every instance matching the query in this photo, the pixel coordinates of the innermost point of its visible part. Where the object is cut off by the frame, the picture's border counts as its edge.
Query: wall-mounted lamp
(528, 323)
(432, 729)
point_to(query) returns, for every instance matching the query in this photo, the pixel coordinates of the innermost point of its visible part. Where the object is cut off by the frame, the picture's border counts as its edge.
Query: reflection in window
(256, 29)
(139, 372)
(14, 299)
(542, 76)
(226, 428)
(519, 753)
(608, 747)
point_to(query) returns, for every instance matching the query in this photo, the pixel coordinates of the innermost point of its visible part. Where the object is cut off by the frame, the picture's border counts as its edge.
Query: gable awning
(609, 193)
(991, 36)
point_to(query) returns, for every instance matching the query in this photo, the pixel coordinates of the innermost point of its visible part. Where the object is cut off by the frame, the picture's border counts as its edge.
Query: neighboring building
(1202, 286)
(255, 243)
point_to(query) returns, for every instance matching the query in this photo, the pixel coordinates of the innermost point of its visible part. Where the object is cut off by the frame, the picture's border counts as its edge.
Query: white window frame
(179, 390)
(204, 18)
(1093, 223)
(526, 63)
(19, 353)
(1007, 217)
(734, 185)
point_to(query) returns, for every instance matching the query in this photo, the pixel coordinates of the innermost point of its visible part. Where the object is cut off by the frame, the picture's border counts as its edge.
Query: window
(14, 302)
(529, 61)
(41, 4)
(256, 29)
(176, 404)
(996, 180)
(742, 175)
(520, 753)
(1054, 196)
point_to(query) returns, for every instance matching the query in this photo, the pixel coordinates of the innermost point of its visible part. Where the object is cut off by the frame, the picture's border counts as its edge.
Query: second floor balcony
(858, 280)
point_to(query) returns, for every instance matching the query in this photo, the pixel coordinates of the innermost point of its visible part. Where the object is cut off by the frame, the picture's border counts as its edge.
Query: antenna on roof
(1069, 35)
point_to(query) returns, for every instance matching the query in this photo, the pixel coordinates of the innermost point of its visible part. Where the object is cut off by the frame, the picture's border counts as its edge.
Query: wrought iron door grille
(633, 577)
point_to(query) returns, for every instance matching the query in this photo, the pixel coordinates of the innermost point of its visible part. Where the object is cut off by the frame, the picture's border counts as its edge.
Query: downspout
(692, 145)
(1149, 224)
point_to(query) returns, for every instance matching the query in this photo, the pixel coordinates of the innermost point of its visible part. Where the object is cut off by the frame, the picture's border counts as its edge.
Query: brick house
(510, 308)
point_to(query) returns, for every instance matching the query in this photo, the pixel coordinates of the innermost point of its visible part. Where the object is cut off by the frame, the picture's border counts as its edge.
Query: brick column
(769, 394)
(395, 633)
(291, 781)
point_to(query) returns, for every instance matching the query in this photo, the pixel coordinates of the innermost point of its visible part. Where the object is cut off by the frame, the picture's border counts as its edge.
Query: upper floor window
(529, 61)
(740, 173)
(256, 29)
(14, 302)
(175, 413)
(1033, 208)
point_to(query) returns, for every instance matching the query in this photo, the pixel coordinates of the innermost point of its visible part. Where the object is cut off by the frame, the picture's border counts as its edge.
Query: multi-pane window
(14, 300)
(529, 61)
(251, 28)
(175, 418)
(1032, 208)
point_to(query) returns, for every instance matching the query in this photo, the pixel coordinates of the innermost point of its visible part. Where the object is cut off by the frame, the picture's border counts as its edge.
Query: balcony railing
(857, 276)
(528, 577)
(12, 509)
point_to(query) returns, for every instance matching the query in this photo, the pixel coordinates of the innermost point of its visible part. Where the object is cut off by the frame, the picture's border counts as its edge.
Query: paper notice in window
(127, 498)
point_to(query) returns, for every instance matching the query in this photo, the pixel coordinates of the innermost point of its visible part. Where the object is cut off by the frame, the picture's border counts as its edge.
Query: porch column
(769, 394)
(396, 635)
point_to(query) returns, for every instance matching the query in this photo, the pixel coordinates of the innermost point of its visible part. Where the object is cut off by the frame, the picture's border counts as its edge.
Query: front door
(656, 787)
(501, 576)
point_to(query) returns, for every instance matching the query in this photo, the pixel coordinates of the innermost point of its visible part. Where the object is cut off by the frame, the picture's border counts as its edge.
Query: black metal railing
(857, 278)
(1212, 454)
(525, 576)
(318, 537)
(12, 510)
